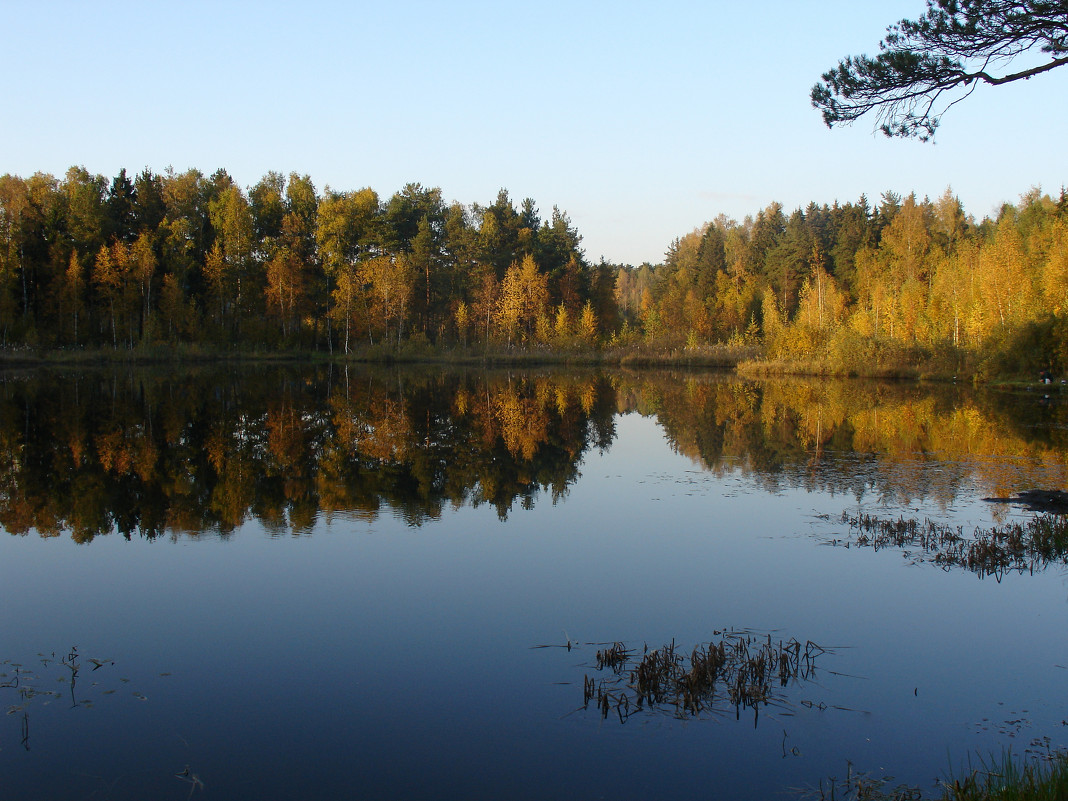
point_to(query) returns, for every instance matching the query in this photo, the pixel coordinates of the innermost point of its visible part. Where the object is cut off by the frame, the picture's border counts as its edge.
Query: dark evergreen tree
(405, 210)
(120, 208)
(852, 231)
(149, 205)
(788, 263)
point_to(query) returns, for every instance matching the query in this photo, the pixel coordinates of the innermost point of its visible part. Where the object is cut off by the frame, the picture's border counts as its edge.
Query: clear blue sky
(640, 120)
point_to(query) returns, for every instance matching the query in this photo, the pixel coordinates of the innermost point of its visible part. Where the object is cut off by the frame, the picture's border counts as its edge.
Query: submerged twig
(193, 779)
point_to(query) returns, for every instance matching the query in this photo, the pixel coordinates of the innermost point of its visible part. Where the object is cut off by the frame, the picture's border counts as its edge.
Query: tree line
(188, 258)
(184, 257)
(846, 281)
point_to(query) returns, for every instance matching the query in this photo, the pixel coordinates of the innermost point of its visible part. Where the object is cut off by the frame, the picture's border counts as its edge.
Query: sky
(641, 121)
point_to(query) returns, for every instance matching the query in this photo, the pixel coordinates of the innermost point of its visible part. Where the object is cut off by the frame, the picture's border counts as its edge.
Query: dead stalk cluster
(742, 669)
(1022, 547)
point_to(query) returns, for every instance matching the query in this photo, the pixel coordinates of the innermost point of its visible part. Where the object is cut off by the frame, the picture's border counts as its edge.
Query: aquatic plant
(860, 786)
(27, 684)
(1041, 777)
(741, 670)
(1015, 547)
(1009, 778)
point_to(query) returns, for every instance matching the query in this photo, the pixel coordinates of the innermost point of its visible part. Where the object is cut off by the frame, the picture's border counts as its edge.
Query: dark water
(319, 583)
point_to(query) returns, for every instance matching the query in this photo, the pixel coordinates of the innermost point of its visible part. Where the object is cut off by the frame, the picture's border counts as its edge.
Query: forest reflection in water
(148, 452)
(645, 578)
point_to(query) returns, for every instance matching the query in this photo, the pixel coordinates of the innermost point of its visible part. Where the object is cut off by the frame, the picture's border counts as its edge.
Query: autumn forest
(189, 260)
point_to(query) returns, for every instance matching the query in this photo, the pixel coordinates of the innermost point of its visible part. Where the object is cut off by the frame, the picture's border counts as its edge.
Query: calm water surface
(275, 584)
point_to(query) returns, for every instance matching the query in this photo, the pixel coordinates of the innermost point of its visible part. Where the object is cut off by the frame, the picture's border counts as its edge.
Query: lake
(330, 582)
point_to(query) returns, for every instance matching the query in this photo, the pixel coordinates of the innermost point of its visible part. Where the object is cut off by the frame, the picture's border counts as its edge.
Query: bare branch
(1025, 74)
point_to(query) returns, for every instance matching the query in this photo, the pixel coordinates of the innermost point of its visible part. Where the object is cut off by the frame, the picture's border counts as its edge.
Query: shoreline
(744, 361)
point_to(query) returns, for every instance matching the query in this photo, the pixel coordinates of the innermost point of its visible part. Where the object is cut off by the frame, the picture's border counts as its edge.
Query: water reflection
(147, 452)
(874, 441)
(313, 662)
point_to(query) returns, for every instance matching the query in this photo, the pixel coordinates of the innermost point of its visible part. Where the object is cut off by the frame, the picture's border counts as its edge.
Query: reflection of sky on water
(375, 658)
